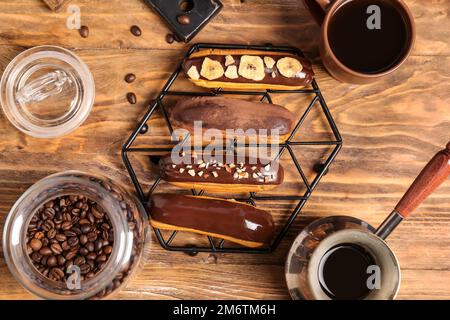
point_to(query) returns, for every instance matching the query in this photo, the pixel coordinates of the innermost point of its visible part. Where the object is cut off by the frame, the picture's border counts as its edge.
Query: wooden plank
(390, 131)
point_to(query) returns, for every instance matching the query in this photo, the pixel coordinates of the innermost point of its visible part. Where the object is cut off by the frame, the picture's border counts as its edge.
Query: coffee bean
(144, 129)
(70, 255)
(35, 244)
(57, 273)
(71, 230)
(83, 239)
(36, 257)
(61, 260)
(60, 237)
(86, 228)
(79, 261)
(48, 213)
(169, 38)
(98, 245)
(51, 234)
(90, 246)
(183, 19)
(51, 261)
(84, 251)
(46, 251)
(129, 78)
(92, 256)
(85, 268)
(39, 235)
(84, 31)
(101, 258)
(70, 233)
(136, 31)
(67, 225)
(73, 241)
(107, 249)
(131, 97)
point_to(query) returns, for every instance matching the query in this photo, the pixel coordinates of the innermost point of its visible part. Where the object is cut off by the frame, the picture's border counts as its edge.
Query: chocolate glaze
(226, 113)
(253, 171)
(304, 77)
(228, 218)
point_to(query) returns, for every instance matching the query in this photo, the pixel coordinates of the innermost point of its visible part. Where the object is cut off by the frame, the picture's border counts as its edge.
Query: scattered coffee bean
(84, 31)
(131, 97)
(144, 129)
(170, 38)
(46, 251)
(56, 248)
(129, 78)
(136, 31)
(52, 262)
(184, 19)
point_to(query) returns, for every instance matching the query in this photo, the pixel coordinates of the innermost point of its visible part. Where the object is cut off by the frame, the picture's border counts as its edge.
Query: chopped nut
(269, 62)
(206, 176)
(229, 60)
(227, 168)
(188, 166)
(267, 168)
(215, 174)
(232, 165)
(236, 175)
(181, 170)
(200, 173)
(254, 175)
(200, 161)
(202, 165)
(254, 168)
(192, 173)
(193, 73)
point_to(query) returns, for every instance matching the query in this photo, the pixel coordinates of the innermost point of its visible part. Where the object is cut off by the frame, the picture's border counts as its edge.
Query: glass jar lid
(47, 92)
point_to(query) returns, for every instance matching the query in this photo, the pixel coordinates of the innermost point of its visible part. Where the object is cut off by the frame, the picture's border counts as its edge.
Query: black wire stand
(158, 105)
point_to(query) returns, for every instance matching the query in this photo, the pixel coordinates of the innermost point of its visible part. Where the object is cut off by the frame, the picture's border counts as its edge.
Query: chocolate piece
(225, 113)
(237, 222)
(252, 171)
(272, 75)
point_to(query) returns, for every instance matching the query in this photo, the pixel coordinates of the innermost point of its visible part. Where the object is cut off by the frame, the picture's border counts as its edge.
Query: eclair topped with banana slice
(248, 69)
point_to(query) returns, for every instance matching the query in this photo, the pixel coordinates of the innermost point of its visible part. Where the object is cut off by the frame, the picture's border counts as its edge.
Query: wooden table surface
(390, 130)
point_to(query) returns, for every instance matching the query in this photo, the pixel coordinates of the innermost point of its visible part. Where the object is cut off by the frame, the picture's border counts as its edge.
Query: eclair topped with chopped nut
(248, 69)
(251, 171)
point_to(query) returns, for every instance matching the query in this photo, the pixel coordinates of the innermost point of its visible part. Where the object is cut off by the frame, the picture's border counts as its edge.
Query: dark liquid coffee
(343, 272)
(364, 50)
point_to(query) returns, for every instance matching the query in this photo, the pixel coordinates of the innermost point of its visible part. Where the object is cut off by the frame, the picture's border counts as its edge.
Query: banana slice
(269, 62)
(229, 60)
(289, 67)
(252, 67)
(231, 72)
(193, 73)
(211, 69)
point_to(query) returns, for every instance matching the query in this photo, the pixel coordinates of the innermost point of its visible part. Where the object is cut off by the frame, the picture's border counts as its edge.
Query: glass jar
(126, 216)
(47, 92)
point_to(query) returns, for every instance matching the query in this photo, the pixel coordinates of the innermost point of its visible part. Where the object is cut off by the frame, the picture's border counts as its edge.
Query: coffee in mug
(363, 40)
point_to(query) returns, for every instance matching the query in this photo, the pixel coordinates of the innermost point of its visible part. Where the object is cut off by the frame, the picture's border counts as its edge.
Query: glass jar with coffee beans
(74, 235)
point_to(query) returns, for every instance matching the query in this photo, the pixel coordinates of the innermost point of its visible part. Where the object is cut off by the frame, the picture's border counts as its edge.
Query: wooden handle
(434, 173)
(318, 9)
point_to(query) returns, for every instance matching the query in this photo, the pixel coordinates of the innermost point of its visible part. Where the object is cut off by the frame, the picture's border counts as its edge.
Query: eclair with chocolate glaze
(227, 113)
(230, 220)
(253, 175)
(248, 70)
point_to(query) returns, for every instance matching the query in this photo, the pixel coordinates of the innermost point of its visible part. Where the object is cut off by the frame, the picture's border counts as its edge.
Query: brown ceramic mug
(327, 12)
